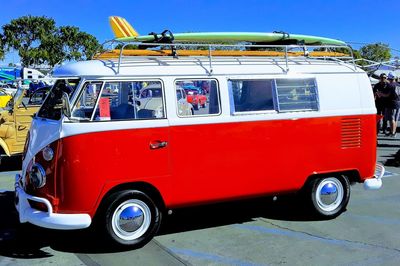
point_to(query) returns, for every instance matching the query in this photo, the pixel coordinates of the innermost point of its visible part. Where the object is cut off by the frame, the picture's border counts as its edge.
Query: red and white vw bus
(97, 151)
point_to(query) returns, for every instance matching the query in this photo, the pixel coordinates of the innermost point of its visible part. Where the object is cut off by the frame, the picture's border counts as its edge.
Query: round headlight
(37, 176)
(48, 153)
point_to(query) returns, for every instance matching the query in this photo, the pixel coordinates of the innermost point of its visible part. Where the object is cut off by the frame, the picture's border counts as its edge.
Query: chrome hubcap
(131, 219)
(329, 194)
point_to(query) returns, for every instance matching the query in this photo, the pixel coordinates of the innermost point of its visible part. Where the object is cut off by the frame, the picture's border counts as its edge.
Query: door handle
(158, 144)
(21, 127)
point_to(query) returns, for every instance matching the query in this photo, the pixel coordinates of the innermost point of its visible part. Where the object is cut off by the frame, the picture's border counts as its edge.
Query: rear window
(252, 95)
(296, 95)
(273, 95)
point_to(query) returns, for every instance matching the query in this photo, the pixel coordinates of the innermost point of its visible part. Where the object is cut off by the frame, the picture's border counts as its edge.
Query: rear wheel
(328, 196)
(131, 218)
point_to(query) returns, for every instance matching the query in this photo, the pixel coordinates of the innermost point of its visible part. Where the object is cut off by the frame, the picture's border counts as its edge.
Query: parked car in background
(184, 107)
(149, 93)
(151, 97)
(196, 96)
(149, 103)
(15, 120)
(11, 90)
(4, 98)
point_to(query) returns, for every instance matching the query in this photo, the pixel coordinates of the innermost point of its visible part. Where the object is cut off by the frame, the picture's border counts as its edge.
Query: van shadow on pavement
(393, 160)
(11, 163)
(25, 241)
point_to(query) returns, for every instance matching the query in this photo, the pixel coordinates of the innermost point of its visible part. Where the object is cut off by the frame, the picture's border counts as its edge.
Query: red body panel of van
(234, 160)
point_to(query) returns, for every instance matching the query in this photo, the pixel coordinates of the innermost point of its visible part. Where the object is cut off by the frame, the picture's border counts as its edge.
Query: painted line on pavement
(387, 173)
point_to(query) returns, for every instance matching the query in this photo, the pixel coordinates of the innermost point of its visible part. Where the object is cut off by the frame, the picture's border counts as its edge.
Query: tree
(356, 54)
(39, 41)
(25, 35)
(69, 43)
(77, 45)
(1, 47)
(378, 52)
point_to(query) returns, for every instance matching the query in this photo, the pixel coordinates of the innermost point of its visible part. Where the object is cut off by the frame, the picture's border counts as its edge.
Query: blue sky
(352, 20)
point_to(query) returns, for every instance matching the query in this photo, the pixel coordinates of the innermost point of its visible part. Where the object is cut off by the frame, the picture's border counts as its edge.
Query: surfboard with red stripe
(125, 32)
(122, 28)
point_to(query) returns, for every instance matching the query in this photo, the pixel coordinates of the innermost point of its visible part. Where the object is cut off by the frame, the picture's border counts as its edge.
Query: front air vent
(351, 133)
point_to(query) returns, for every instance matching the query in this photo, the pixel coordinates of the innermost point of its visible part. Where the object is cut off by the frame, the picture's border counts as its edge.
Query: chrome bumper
(376, 182)
(46, 219)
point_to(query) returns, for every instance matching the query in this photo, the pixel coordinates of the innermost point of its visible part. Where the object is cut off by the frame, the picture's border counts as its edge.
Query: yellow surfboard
(122, 28)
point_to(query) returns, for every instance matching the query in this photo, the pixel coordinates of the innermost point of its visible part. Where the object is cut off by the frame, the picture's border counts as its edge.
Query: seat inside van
(123, 111)
(255, 96)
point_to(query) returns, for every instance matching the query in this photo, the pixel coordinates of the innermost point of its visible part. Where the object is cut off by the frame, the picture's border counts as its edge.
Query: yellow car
(15, 121)
(4, 98)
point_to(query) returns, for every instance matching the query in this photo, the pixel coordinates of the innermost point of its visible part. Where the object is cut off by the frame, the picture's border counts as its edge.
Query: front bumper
(46, 219)
(376, 182)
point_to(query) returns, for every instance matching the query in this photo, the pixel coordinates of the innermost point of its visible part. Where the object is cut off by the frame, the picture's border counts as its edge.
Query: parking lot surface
(251, 232)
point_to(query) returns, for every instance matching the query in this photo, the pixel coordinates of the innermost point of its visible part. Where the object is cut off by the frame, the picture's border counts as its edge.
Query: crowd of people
(387, 101)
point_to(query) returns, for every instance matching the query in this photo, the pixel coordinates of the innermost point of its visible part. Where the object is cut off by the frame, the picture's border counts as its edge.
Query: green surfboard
(254, 37)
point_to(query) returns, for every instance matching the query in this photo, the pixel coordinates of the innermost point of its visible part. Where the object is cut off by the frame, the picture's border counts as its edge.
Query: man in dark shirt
(392, 105)
(381, 88)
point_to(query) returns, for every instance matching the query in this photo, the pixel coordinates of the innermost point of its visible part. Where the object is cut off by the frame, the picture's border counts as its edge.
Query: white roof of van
(168, 66)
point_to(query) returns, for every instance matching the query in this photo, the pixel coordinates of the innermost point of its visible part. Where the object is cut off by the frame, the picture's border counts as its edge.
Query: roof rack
(342, 53)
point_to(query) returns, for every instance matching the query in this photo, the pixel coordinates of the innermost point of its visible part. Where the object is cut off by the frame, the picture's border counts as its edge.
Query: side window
(252, 95)
(84, 107)
(296, 95)
(197, 97)
(38, 97)
(127, 100)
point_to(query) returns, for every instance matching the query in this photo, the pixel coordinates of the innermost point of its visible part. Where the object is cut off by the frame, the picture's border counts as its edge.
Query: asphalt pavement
(252, 232)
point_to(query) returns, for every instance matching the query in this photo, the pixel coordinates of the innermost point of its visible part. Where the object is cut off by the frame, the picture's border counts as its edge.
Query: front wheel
(328, 196)
(131, 218)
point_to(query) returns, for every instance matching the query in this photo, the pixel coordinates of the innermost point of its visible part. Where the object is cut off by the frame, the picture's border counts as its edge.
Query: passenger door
(132, 140)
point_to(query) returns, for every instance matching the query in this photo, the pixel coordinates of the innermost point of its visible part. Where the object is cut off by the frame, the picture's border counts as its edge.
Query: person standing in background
(381, 87)
(391, 105)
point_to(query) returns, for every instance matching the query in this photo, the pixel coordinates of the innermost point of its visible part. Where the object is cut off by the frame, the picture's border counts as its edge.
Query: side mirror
(66, 109)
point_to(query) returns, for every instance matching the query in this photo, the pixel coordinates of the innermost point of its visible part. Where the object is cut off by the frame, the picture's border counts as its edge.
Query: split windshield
(52, 107)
